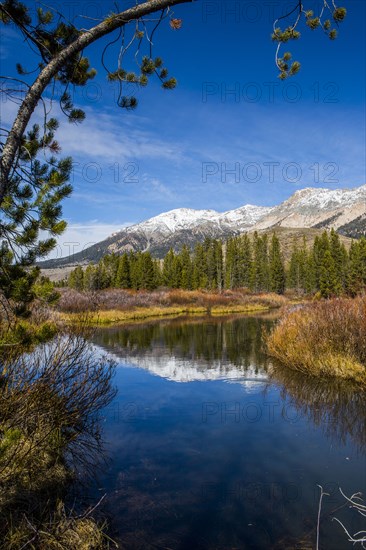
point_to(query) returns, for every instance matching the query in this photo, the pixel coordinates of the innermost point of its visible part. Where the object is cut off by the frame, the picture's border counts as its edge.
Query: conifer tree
(276, 267)
(147, 280)
(260, 278)
(168, 269)
(176, 272)
(186, 272)
(219, 265)
(245, 261)
(356, 276)
(211, 269)
(310, 276)
(200, 279)
(133, 270)
(340, 259)
(328, 279)
(76, 278)
(123, 272)
(362, 248)
(298, 268)
(230, 263)
(158, 279)
(89, 278)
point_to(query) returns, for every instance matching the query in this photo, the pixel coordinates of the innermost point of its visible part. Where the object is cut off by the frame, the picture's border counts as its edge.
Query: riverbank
(323, 339)
(53, 387)
(120, 306)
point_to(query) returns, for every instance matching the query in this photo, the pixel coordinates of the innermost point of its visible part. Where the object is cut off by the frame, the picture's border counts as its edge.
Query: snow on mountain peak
(179, 218)
(188, 218)
(309, 201)
(326, 199)
(247, 215)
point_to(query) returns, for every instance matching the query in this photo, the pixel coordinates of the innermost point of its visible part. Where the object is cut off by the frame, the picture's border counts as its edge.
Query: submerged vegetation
(323, 339)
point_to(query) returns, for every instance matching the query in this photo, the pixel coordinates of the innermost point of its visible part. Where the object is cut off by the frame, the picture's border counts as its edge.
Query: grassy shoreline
(324, 339)
(321, 338)
(120, 317)
(119, 307)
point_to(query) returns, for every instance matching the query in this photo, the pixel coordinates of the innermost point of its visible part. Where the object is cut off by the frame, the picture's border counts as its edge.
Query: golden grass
(323, 339)
(119, 306)
(229, 309)
(113, 316)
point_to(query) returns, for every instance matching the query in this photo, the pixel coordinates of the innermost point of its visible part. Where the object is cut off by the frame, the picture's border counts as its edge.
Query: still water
(212, 447)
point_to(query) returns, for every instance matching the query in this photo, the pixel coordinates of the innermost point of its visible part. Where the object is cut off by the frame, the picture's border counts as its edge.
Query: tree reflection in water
(337, 406)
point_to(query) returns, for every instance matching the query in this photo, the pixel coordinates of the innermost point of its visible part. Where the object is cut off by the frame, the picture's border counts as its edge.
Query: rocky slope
(342, 209)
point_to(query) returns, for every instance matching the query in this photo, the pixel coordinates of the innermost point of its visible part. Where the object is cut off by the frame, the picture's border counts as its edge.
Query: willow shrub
(325, 338)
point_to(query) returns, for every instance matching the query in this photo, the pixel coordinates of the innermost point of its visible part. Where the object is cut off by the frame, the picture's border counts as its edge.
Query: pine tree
(320, 247)
(168, 269)
(362, 248)
(122, 279)
(211, 265)
(134, 276)
(230, 263)
(356, 276)
(76, 278)
(310, 275)
(89, 278)
(328, 279)
(340, 264)
(200, 279)
(176, 272)
(298, 268)
(186, 271)
(111, 263)
(276, 267)
(158, 278)
(16, 286)
(260, 277)
(219, 265)
(147, 281)
(245, 261)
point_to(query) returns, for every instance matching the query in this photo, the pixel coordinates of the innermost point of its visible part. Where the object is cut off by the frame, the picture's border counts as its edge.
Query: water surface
(212, 448)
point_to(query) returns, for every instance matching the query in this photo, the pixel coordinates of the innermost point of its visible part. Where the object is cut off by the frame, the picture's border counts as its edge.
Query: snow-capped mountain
(342, 209)
(183, 219)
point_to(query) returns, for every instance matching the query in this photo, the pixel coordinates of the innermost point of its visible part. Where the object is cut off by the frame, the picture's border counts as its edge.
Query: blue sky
(230, 134)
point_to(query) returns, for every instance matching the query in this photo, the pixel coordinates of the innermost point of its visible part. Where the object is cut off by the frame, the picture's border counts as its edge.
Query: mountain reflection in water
(208, 349)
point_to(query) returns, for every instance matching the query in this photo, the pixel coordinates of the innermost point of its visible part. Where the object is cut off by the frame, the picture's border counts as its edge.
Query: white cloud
(106, 137)
(101, 136)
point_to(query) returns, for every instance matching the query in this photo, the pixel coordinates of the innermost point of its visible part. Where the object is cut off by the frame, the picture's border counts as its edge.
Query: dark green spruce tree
(276, 267)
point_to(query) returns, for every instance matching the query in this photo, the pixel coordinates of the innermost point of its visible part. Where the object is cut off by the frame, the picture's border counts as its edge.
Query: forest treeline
(256, 263)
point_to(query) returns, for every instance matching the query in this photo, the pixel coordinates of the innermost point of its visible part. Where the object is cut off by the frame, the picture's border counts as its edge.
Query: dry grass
(113, 316)
(119, 306)
(229, 309)
(51, 396)
(61, 531)
(323, 339)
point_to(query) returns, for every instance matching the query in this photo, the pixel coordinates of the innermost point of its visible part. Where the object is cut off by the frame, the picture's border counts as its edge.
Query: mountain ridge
(311, 207)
